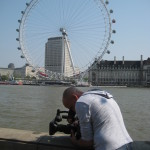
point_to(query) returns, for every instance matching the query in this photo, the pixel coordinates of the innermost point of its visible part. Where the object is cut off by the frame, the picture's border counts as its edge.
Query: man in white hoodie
(100, 119)
(101, 123)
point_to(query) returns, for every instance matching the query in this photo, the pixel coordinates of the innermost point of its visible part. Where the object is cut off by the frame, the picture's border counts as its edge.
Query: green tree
(85, 79)
(4, 77)
(17, 76)
(33, 78)
(28, 77)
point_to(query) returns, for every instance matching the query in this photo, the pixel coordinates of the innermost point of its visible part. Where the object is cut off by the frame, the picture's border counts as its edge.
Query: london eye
(85, 27)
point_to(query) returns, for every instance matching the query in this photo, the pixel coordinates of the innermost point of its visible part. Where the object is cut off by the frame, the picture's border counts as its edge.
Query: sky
(132, 38)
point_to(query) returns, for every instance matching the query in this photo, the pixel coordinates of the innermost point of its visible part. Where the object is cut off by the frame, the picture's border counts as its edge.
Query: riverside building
(121, 72)
(58, 56)
(21, 72)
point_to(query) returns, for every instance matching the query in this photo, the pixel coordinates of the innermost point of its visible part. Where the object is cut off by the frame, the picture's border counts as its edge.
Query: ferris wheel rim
(30, 6)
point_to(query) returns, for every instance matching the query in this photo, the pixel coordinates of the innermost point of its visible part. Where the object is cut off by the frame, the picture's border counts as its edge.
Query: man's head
(70, 96)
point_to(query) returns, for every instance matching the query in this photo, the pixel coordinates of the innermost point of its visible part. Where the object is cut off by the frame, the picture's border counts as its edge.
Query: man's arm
(81, 142)
(83, 113)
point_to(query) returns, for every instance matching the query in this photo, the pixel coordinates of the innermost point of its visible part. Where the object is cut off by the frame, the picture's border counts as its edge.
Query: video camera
(73, 123)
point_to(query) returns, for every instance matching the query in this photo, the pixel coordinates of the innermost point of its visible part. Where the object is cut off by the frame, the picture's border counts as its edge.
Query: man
(100, 119)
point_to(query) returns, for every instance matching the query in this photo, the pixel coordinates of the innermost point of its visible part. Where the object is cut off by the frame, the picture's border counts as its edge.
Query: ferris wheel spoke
(77, 13)
(84, 26)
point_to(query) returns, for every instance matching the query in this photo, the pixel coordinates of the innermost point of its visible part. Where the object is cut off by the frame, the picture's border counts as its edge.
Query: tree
(4, 77)
(85, 79)
(17, 76)
(33, 78)
(28, 77)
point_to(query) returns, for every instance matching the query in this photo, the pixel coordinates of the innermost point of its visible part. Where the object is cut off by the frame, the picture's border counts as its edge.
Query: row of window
(53, 65)
(118, 75)
(124, 68)
(117, 80)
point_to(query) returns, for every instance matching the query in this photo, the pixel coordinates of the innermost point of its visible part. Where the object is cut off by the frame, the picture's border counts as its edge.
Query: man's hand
(80, 142)
(73, 138)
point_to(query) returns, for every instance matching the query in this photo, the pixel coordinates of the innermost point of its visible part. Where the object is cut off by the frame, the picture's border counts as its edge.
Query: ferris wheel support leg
(68, 47)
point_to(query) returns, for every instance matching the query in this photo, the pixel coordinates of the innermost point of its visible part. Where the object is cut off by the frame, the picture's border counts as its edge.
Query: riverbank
(12, 139)
(36, 83)
(69, 84)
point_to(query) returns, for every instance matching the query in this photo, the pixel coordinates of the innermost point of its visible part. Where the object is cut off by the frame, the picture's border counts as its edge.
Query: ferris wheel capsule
(22, 12)
(111, 11)
(27, 64)
(113, 31)
(35, 32)
(19, 48)
(108, 52)
(107, 2)
(33, 70)
(19, 21)
(22, 56)
(27, 4)
(17, 39)
(112, 42)
(113, 21)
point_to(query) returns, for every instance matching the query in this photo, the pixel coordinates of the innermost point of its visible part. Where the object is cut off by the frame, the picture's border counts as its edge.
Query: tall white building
(58, 57)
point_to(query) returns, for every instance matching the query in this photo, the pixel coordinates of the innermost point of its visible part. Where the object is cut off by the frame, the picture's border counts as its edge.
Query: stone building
(24, 72)
(124, 72)
(11, 66)
(21, 72)
(6, 71)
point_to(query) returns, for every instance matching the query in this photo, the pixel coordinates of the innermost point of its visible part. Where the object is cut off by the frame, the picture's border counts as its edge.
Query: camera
(73, 123)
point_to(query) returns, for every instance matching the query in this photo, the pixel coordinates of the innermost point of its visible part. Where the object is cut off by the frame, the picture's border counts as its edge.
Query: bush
(4, 77)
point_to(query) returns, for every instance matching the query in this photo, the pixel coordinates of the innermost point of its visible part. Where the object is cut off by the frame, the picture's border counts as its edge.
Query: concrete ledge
(141, 145)
(12, 139)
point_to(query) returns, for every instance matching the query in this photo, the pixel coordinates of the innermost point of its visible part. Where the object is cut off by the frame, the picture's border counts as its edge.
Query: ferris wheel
(83, 28)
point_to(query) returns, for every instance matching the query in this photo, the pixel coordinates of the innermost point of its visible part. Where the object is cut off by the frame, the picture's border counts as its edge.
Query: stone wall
(12, 139)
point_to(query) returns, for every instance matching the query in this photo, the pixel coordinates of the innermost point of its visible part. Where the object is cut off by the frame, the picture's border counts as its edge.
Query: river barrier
(13, 139)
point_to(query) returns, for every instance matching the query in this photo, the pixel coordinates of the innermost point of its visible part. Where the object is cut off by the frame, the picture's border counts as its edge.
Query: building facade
(24, 72)
(58, 57)
(129, 73)
(18, 72)
(6, 71)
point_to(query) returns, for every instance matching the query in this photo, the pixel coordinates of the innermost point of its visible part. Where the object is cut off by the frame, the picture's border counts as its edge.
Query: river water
(33, 107)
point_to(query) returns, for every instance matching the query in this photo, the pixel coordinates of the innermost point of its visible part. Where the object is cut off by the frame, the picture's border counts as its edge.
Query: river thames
(33, 107)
